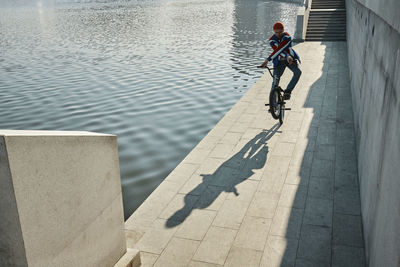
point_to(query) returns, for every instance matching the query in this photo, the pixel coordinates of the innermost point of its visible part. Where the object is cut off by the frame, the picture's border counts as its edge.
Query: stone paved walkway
(255, 194)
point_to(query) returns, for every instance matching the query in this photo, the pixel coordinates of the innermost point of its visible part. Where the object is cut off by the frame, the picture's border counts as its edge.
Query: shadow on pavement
(232, 172)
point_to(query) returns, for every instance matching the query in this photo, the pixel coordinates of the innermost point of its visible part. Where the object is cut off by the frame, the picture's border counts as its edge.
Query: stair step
(327, 6)
(313, 34)
(327, 20)
(326, 31)
(327, 36)
(316, 1)
(330, 22)
(327, 16)
(323, 40)
(339, 14)
(326, 25)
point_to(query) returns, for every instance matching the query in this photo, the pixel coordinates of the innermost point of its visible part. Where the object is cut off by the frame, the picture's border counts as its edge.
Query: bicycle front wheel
(274, 103)
(281, 113)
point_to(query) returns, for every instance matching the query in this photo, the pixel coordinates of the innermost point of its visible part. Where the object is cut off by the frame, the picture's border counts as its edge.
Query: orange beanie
(278, 26)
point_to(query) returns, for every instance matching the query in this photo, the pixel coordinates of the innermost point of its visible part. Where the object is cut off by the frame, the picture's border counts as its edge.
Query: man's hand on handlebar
(290, 60)
(264, 64)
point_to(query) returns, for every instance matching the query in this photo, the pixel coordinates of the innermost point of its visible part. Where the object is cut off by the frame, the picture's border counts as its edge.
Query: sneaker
(286, 96)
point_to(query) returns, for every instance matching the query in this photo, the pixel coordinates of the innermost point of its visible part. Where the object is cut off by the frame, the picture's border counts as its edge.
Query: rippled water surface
(158, 74)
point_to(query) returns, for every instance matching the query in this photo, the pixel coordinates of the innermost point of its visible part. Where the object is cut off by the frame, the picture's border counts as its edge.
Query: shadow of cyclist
(232, 172)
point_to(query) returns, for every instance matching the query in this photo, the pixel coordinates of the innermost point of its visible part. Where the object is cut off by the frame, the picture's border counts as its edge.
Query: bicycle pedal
(288, 109)
(267, 104)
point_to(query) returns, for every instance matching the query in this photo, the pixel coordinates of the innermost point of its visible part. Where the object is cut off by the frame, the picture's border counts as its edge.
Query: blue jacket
(282, 48)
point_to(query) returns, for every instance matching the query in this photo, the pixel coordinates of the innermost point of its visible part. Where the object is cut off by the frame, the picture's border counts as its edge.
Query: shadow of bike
(232, 172)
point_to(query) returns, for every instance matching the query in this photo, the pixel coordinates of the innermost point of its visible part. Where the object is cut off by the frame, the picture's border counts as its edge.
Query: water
(158, 74)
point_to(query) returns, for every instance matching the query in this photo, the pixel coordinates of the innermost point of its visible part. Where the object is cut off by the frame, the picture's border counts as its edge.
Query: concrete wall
(373, 41)
(60, 199)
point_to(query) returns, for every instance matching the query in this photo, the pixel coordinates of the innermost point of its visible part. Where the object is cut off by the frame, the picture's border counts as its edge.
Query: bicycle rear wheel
(274, 103)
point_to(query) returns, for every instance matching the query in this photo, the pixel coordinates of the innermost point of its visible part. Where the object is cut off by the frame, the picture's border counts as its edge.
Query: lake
(158, 74)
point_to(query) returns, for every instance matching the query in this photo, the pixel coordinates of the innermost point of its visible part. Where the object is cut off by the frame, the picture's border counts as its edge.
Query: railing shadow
(232, 172)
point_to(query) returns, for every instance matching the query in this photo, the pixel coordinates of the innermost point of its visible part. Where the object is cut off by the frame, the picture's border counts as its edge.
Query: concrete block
(239, 257)
(300, 262)
(287, 222)
(250, 133)
(202, 264)
(222, 151)
(212, 198)
(148, 259)
(60, 225)
(293, 196)
(194, 186)
(179, 208)
(240, 127)
(231, 138)
(347, 230)
(244, 191)
(216, 245)
(321, 188)
(196, 156)
(274, 175)
(298, 175)
(178, 253)
(224, 176)
(231, 214)
(325, 152)
(318, 212)
(326, 136)
(218, 131)
(133, 236)
(210, 165)
(347, 201)
(323, 168)
(263, 205)
(283, 149)
(196, 225)
(344, 180)
(156, 238)
(289, 136)
(279, 251)
(348, 256)
(148, 212)
(315, 244)
(182, 172)
(209, 142)
(130, 259)
(253, 233)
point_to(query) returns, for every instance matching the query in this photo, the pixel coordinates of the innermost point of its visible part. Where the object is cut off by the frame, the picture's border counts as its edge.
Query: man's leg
(296, 75)
(278, 71)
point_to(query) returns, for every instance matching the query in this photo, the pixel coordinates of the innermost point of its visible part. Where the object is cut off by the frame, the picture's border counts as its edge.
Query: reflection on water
(159, 74)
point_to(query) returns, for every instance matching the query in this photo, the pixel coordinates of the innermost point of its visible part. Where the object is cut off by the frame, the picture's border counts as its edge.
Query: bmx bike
(276, 102)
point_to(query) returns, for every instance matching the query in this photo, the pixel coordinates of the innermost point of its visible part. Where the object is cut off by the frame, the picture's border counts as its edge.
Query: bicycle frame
(275, 78)
(280, 104)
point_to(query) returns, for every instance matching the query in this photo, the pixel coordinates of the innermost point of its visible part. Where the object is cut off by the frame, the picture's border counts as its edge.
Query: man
(283, 56)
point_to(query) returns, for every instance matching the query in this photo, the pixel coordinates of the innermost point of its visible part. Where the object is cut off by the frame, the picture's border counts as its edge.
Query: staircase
(327, 21)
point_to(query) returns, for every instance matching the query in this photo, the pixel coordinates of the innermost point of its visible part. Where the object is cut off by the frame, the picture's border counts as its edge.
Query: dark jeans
(294, 67)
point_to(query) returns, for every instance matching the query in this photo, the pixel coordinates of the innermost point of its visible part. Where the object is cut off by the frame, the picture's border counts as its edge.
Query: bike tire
(274, 100)
(282, 112)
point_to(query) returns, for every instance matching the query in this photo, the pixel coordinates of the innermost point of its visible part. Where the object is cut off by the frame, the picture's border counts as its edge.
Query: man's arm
(280, 48)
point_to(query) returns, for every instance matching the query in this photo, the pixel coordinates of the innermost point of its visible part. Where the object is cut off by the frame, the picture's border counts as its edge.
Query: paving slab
(256, 193)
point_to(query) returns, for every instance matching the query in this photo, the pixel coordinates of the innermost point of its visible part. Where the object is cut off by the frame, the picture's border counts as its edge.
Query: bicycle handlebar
(269, 69)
